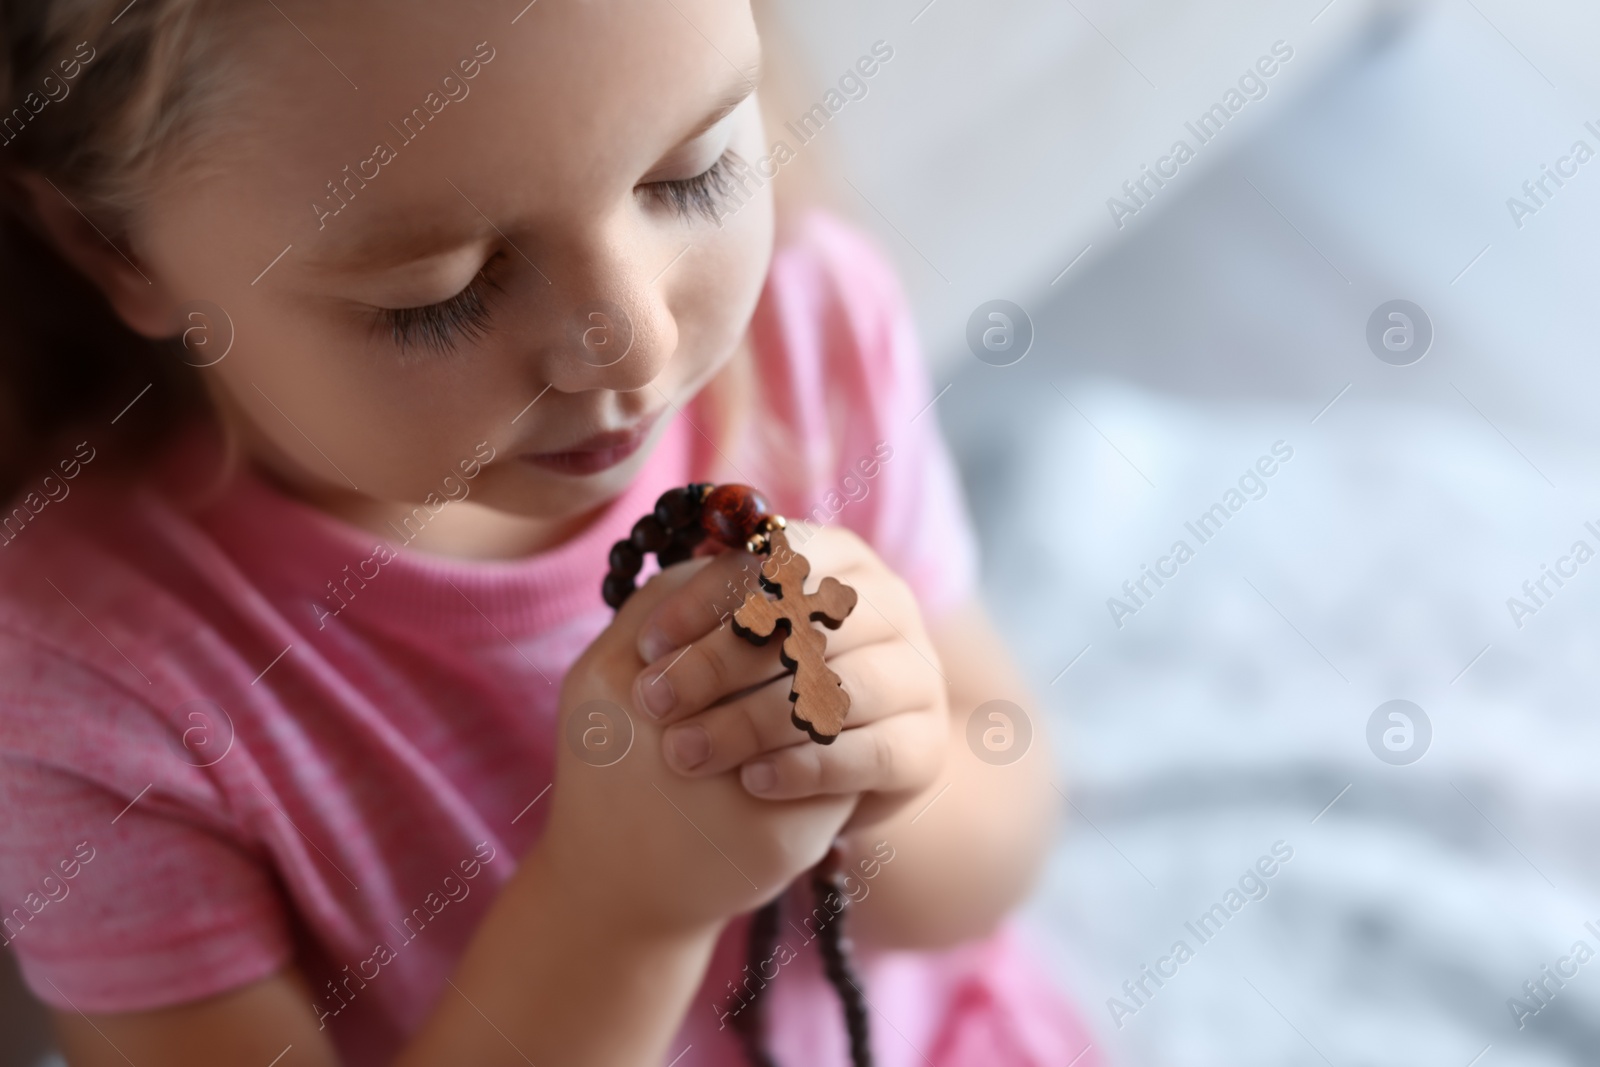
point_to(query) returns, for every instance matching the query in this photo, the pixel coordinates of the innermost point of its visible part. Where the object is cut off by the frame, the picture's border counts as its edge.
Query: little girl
(344, 339)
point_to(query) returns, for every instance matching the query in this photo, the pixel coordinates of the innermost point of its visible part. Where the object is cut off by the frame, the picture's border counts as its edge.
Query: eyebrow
(399, 245)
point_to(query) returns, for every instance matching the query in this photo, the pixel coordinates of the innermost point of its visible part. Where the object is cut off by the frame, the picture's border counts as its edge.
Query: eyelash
(704, 194)
(440, 328)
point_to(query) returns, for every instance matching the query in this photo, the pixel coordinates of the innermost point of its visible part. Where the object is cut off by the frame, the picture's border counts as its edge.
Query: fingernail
(655, 691)
(653, 643)
(688, 746)
(759, 777)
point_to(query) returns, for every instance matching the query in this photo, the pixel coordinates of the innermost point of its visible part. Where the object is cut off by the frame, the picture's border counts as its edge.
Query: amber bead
(733, 514)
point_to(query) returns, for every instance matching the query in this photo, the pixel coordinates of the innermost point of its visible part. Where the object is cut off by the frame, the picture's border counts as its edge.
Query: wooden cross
(820, 702)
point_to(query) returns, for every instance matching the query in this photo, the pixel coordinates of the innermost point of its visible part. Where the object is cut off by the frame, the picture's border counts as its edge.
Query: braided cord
(759, 949)
(826, 878)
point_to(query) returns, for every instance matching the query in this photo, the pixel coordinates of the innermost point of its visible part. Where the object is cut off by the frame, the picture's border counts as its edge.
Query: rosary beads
(737, 516)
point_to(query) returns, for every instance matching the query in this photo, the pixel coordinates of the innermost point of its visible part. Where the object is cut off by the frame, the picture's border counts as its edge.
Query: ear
(141, 302)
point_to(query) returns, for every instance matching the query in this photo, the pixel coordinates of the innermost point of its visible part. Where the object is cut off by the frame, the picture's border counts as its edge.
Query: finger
(717, 591)
(618, 643)
(895, 754)
(726, 735)
(694, 677)
(721, 663)
(638, 608)
(832, 549)
(700, 604)
(883, 595)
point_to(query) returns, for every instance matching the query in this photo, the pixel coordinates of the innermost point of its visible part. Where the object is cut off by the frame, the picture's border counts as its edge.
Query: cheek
(724, 289)
(299, 380)
(715, 301)
(334, 413)
(316, 392)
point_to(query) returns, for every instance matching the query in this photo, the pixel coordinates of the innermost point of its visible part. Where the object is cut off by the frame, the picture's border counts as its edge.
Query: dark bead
(677, 507)
(689, 536)
(733, 514)
(673, 553)
(626, 559)
(649, 535)
(616, 589)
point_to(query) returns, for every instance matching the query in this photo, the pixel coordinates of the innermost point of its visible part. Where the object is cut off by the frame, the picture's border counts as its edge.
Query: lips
(598, 453)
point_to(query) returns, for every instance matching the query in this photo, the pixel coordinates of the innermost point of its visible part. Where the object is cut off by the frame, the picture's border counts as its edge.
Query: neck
(460, 529)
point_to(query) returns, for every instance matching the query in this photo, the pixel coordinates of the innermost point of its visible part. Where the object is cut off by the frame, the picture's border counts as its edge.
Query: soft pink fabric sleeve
(842, 368)
(159, 907)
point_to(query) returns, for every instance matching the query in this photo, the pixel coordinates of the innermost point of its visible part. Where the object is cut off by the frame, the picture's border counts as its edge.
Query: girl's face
(448, 231)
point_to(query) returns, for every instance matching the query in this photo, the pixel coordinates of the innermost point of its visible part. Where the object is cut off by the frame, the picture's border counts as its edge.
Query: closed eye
(707, 194)
(441, 328)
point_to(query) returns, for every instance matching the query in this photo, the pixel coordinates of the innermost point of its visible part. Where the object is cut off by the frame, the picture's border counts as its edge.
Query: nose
(613, 328)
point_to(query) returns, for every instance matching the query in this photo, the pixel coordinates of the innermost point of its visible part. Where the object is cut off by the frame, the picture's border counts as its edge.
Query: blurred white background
(1227, 316)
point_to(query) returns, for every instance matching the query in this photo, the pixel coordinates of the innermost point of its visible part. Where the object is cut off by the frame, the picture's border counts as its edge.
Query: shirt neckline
(291, 551)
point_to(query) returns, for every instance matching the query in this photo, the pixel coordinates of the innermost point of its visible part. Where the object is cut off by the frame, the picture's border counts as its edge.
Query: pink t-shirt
(206, 774)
